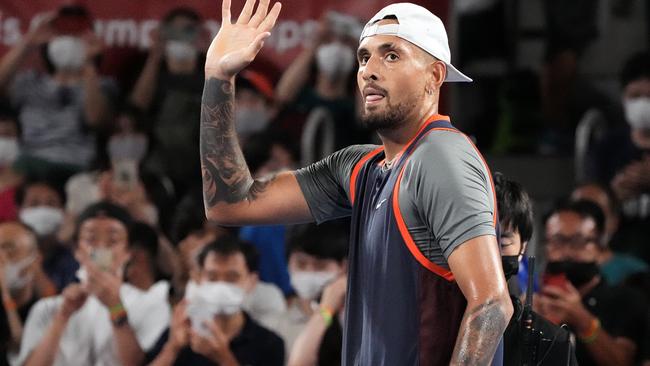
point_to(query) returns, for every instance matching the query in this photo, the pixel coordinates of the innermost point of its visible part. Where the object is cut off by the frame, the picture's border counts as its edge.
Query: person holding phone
(609, 322)
(102, 320)
(210, 326)
(58, 109)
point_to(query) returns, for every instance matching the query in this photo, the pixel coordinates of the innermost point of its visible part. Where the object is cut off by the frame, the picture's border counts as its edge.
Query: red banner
(128, 24)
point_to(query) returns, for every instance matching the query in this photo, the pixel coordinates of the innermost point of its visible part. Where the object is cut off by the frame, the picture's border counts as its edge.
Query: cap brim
(455, 76)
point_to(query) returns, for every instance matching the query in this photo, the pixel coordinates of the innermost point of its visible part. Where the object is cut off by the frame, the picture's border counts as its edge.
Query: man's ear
(437, 72)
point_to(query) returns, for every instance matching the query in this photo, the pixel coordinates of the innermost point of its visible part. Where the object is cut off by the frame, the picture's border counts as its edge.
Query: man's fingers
(270, 19)
(246, 12)
(258, 43)
(260, 13)
(225, 12)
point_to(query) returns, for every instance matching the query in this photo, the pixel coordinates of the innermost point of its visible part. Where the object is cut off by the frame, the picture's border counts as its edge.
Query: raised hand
(236, 45)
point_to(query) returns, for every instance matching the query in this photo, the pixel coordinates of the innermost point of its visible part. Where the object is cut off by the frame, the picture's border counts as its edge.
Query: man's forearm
(128, 348)
(226, 178)
(46, 351)
(480, 332)
(95, 102)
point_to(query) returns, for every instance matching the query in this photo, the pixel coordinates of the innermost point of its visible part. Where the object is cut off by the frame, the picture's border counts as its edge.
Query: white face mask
(132, 147)
(45, 220)
(180, 51)
(335, 60)
(637, 112)
(249, 120)
(207, 299)
(309, 285)
(15, 279)
(66, 53)
(8, 150)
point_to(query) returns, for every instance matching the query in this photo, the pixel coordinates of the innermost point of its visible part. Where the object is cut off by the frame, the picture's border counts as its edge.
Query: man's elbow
(222, 217)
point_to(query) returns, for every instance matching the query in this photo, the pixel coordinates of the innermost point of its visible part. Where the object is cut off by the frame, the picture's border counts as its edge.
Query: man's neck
(231, 325)
(395, 140)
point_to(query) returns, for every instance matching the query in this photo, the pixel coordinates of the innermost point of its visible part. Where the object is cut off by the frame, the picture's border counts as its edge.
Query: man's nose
(370, 70)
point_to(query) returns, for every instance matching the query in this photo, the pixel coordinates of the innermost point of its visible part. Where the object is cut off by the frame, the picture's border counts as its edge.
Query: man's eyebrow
(382, 48)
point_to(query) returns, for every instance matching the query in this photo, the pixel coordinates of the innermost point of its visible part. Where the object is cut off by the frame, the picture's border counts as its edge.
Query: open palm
(236, 45)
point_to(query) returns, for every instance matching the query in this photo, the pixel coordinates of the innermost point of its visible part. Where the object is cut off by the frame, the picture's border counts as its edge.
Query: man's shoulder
(443, 143)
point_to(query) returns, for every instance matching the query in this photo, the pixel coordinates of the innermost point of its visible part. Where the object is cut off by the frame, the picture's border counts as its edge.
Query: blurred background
(100, 101)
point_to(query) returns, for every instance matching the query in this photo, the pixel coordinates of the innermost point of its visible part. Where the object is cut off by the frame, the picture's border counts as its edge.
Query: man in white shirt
(101, 321)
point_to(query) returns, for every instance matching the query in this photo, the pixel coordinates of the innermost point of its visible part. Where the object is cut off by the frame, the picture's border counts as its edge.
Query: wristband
(327, 315)
(118, 314)
(591, 335)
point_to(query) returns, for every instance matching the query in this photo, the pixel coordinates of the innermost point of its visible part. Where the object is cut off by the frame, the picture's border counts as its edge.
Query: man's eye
(392, 57)
(363, 60)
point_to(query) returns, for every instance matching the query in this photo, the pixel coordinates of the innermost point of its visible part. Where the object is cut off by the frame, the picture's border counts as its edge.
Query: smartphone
(125, 173)
(103, 258)
(555, 279)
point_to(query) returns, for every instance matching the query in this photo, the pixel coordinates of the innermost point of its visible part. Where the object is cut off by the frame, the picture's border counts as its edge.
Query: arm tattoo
(226, 177)
(479, 335)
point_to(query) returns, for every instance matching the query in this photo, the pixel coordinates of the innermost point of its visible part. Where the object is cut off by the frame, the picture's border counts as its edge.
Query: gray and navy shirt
(403, 305)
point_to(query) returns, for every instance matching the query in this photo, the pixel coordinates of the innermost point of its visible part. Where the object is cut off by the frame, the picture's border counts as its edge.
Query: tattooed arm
(476, 266)
(231, 195)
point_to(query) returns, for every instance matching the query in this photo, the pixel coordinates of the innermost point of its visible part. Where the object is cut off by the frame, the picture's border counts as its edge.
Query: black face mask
(578, 273)
(510, 265)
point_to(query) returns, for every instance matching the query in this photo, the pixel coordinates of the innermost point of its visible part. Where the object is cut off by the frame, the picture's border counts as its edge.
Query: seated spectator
(41, 205)
(607, 320)
(323, 76)
(22, 279)
(321, 340)
(317, 256)
(58, 110)
(9, 150)
(169, 89)
(622, 159)
(614, 267)
(102, 321)
(209, 327)
(254, 107)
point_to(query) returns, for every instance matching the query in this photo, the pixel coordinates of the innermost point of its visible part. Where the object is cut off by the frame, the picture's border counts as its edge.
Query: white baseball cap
(420, 27)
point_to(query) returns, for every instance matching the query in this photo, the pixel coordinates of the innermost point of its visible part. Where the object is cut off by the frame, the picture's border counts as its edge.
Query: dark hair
(612, 199)
(635, 68)
(583, 208)
(257, 150)
(19, 198)
(181, 11)
(189, 216)
(228, 245)
(104, 209)
(325, 241)
(142, 236)
(514, 206)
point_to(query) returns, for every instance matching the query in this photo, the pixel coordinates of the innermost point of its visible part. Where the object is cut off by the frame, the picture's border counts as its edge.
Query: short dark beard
(394, 117)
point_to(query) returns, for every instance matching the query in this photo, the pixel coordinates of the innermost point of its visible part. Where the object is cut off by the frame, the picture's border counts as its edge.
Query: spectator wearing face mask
(322, 76)
(622, 160)
(209, 327)
(9, 150)
(22, 279)
(169, 88)
(254, 108)
(615, 267)
(102, 320)
(516, 220)
(41, 205)
(317, 257)
(58, 110)
(609, 322)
